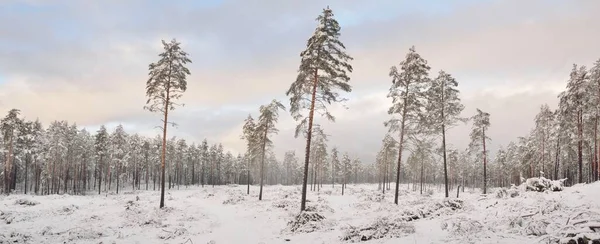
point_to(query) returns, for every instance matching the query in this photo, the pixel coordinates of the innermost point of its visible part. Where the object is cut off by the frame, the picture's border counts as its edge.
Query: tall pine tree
(269, 115)
(443, 111)
(166, 84)
(481, 122)
(407, 91)
(324, 70)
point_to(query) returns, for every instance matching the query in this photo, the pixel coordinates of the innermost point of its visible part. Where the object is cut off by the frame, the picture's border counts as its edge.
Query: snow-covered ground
(226, 214)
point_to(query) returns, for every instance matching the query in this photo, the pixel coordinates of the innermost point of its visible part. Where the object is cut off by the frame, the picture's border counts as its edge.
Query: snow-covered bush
(505, 193)
(306, 222)
(462, 226)
(380, 228)
(235, 199)
(26, 202)
(542, 184)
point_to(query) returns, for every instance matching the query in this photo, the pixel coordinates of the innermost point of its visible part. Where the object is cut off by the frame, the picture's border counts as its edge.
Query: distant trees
(166, 84)
(324, 70)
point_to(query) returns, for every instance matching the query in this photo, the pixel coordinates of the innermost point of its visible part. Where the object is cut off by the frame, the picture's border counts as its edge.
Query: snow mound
(462, 226)
(506, 193)
(26, 202)
(234, 199)
(380, 228)
(306, 222)
(542, 184)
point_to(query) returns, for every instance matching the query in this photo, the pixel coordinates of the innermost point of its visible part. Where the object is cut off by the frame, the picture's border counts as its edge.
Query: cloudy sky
(86, 61)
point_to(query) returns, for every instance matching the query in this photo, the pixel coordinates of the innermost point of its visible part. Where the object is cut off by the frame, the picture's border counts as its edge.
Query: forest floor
(225, 214)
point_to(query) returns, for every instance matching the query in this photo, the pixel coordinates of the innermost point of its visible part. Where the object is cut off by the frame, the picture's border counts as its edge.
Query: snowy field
(226, 215)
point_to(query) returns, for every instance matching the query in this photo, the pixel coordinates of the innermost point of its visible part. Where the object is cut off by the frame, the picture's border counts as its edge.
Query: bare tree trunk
(262, 163)
(580, 144)
(400, 147)
(164, 150)
(308, 140)
(99, 168)
(484, 165)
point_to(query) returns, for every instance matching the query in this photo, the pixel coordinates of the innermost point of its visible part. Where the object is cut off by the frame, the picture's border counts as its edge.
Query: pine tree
(573, 103)
(443, 111)
(481, 122)
(248, 133)
(335, 165)
(166, 84)
(407, 91)
(594, 76)
(9, 126)
(543, 122)
(101, 146)
(323, 71)
(346, 165)
(269, 115)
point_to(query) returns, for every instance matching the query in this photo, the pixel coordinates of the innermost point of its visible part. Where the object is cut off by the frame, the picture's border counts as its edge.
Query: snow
(225, 214)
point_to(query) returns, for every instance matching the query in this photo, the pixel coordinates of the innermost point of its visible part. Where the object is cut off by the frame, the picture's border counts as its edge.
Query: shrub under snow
(542, 184)
(380, 228)
(306, 222)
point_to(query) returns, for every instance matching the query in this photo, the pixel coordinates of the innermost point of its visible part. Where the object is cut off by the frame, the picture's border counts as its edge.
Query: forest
(64, 158)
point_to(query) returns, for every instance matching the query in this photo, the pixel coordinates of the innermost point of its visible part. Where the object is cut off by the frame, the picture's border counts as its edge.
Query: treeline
(63, 158)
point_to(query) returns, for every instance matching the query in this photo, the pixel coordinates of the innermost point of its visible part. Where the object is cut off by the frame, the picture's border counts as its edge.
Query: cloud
(86, 62)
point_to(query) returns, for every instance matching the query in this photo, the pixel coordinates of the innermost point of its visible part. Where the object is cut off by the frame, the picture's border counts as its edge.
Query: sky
(87, 61)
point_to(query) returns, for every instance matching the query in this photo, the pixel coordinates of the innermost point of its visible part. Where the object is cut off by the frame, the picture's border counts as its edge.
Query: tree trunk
(100, 174)
(164, 150)
(27, 156)
(262, 163)
(248, 176)
(421, 179)
(118, 174)
(484, 165)
(400, 147)
(308, 140)
(444, 154)
(580, 144)
(7, 167)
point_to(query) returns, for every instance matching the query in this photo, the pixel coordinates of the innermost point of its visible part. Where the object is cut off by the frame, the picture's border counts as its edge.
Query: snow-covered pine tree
(101, 148)
(594, 76)
(443, 111)
(119, 150)
(407, 92)
(205, 160)
(248, 134)
(573, 102)
(166, 84)
(324, 70)
(25, 141)
(346, 165)
(481, 122)
(543, 122)
(335, 165)
(265, 126)
(9, 126)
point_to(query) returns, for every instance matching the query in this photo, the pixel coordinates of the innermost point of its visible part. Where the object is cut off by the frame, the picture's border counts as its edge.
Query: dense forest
(64, 158)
